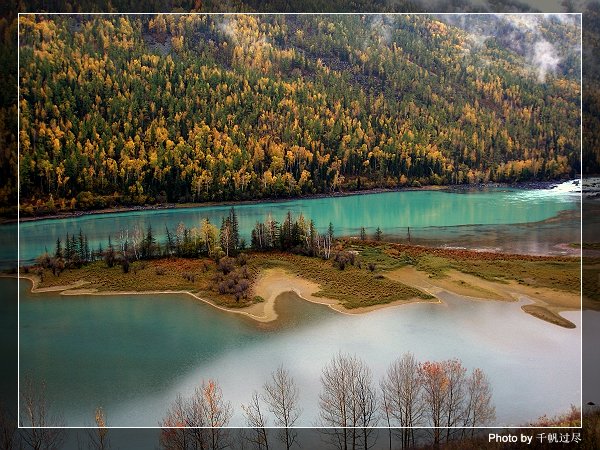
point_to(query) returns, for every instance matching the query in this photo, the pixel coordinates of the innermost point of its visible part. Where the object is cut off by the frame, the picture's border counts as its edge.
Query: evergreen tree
(68, 248)
(149, 243)
(58, 253)
(81, 247)
(235, 229)
(378, 234)
(170, 245)
(363, 234)
(86, 247)
(74, 249)
(312, 238)
(110, 256)
(330, 231)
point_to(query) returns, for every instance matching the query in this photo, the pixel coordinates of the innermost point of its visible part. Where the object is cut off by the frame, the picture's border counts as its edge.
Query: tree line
(293, 234)
(438, 394)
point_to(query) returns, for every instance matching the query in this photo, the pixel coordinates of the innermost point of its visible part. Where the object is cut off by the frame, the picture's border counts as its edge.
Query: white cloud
(545, 59)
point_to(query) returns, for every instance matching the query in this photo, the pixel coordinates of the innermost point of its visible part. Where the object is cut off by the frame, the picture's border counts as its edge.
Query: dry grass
(356, 286)
(560, 273)
(168, 274)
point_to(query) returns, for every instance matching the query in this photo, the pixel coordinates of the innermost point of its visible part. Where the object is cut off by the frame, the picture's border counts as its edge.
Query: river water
(132, 354)
(536, 221)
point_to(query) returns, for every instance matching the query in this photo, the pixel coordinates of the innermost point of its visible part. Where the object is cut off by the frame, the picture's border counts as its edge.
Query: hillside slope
(136, 109)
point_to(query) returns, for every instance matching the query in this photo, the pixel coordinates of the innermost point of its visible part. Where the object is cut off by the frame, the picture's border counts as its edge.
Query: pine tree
(149, 243)
(86, 249)
(58, 253)
(81, 246)
(68, 248)
(363, 234)
(109, 257)
(235, 229)
(74, 248)
(378, 234)
(312, 239)
(170, 244)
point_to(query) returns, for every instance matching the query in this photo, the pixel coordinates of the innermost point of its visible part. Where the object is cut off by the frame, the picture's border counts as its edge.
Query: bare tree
(451, 400)
(256, 419)
(435, 387)
(402, 402)
(35, 416)
(456, 395)
(8, 428)
(348, 402)
(365, 401)
(479, 409)
(218, 413)
(281, 394)
(175, 435)
(98, 437)
(197, 422)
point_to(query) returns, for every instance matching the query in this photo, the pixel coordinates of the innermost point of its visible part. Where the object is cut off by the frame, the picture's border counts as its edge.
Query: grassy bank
(353, 287)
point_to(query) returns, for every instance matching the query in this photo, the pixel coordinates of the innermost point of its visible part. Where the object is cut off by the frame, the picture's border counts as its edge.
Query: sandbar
(547, 303)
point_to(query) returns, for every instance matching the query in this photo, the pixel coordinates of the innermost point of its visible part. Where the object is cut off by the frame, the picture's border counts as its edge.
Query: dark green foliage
(58, 253)
(110, 256)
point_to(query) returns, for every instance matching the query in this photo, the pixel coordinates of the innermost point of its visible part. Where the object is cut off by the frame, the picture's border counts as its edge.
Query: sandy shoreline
(547, 304)
(270, 285)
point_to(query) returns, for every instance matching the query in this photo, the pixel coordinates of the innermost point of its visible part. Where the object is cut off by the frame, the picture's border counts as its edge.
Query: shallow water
(133, 354)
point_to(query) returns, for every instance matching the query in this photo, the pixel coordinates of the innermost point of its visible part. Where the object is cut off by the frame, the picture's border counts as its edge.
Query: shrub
(226, 264)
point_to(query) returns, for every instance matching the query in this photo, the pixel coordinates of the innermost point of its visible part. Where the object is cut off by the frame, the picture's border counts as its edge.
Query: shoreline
(168, 206)
(545, 303)
(263, 312)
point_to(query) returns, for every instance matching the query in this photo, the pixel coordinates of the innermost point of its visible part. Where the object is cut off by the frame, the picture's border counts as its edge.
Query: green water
(441, 217)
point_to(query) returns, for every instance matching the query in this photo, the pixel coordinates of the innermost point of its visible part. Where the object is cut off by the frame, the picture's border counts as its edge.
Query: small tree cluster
(232, 277)
(343, 258)
(435, 394)
(294, 235)
(74, 253)
(197, 421)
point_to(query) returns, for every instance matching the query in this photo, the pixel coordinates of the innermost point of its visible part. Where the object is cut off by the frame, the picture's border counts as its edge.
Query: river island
(359, 276)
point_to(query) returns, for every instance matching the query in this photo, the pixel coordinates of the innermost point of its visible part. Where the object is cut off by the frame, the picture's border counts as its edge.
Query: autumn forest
(132, 110)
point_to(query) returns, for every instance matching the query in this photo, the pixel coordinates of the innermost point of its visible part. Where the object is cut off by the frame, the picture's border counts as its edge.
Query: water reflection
(133, 354)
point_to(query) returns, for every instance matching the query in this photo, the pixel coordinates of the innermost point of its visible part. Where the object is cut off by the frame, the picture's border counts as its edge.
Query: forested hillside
(143, 109)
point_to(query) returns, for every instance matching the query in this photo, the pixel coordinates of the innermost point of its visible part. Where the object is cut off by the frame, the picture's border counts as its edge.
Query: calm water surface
(133, 354)
(518, 220)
